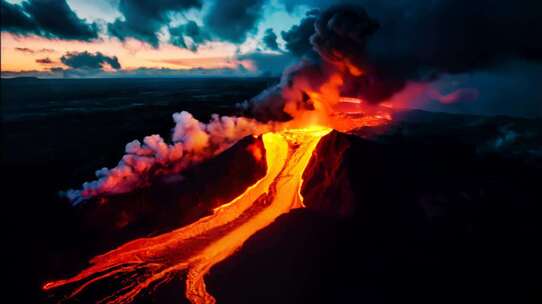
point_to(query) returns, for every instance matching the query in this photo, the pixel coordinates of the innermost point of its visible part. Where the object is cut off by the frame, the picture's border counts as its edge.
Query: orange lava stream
(196, 248)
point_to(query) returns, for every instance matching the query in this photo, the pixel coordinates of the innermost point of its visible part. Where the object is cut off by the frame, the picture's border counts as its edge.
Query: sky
(490, 51)
(80, 38)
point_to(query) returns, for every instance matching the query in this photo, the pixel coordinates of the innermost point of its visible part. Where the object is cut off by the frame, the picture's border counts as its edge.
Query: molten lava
(196, 248)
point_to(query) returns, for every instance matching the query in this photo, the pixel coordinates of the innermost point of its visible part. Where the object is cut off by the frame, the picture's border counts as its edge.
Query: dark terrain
(436, 208)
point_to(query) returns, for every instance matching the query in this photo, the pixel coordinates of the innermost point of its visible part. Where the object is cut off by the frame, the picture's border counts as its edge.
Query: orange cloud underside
(132, 54)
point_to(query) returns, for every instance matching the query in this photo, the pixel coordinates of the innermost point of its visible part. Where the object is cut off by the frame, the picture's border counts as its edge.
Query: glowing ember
(147, 262)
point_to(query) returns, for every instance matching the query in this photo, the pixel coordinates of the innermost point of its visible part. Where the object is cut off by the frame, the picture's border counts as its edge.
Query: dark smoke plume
(334, 66)
(423, 40)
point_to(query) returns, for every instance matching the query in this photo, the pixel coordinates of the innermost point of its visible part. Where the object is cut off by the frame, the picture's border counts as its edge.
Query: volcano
(317, 215)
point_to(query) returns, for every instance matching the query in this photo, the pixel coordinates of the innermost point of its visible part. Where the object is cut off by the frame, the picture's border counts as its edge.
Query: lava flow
(196, 248)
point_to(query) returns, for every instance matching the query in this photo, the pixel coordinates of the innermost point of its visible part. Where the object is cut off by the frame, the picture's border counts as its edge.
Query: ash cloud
(328, 68)
(297, 38)
(423, 40)
(51, 19)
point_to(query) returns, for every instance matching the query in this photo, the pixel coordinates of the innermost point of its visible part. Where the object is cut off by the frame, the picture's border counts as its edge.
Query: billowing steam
(192, 142)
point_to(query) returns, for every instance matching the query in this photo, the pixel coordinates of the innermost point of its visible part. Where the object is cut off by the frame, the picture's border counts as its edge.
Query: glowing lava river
(194, 249)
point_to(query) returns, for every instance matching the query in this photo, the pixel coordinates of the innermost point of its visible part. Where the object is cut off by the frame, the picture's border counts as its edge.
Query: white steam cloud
(192, 142)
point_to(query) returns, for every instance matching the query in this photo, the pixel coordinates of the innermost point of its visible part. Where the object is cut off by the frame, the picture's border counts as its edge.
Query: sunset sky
(149, 38)
(492, 48)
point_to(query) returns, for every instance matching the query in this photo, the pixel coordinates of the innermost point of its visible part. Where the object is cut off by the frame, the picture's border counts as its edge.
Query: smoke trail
(192, 142)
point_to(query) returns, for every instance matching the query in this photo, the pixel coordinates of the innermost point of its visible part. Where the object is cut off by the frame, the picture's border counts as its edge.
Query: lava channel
(146, 263)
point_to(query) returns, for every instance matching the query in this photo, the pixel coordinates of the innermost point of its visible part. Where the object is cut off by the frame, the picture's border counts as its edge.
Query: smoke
(330, 69)
(192, 142)
(424, 41)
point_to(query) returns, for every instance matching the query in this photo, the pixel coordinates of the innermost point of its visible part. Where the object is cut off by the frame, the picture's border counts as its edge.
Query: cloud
(190, 30)
(270, 40)
(32, 51)
(15, 20)
(298, 36)
(233, 20)
(45, 60)
(143, 19)
(51, 19)
(89, 61)
(24, 50)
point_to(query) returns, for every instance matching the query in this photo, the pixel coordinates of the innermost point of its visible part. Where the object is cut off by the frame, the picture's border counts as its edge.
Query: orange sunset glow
(132, 54)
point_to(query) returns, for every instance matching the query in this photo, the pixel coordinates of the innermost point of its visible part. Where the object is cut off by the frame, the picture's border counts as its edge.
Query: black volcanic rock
(326, 181)
(432, 217)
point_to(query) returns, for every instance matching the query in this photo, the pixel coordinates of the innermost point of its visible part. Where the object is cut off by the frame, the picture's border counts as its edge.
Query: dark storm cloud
(89, 61)
(144, 18)
(15, 20)
(233, 20)
(270, 39)
(48, 18)
(297, 38)
(189, 30)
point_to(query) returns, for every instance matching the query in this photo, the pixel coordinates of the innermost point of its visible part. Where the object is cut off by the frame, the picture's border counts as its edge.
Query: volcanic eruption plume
(289, 118)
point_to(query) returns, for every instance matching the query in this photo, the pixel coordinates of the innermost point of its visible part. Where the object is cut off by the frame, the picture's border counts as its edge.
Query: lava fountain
(194, 249)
